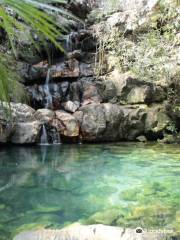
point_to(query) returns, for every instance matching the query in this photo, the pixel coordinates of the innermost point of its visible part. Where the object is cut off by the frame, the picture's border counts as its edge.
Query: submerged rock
(96, 232)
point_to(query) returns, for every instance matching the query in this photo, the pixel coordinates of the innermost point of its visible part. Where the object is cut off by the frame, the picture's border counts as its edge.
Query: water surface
(126, 184)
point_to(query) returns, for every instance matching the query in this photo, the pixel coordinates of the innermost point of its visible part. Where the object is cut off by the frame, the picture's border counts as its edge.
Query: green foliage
(150, 51)
(15, 16)
(10, 87)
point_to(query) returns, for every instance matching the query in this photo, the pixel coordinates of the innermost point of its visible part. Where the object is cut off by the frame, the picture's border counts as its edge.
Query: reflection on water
(118, 184)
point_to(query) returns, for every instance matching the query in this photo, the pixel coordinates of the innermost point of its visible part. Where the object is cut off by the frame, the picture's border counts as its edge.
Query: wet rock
(64, 69)
(89, 232)
(38, 94)
(70, 106)
(66, 124)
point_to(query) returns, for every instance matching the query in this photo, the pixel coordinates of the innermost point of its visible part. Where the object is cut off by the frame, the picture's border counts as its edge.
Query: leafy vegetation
(149, 51)
(15, 17)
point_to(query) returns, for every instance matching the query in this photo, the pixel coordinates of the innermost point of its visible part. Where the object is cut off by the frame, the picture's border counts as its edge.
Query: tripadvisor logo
(139, 230)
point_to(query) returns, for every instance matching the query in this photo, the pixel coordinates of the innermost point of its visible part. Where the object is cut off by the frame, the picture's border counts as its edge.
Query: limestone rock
(19, 112)
(66, 124)
(26, 132)
(110, 122)
(157, 119)
(134, 122)
(131, 90)
(70, 106)
(133, 14)
(44, 115)
(20, 127)
(90, 92)
(66, 69)
(96, 232)
(114, 117)
(94, 123)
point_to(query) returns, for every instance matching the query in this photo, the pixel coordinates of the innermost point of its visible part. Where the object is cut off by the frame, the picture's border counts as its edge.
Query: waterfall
(49, 101)
(54, 134)
(72, 41)
(44, 136)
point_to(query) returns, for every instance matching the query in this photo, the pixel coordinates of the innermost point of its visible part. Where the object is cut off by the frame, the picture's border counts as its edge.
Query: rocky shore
(96, 232)
(68, 97)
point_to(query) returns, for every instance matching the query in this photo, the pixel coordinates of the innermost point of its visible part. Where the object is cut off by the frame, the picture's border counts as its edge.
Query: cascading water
(71, 41)
(49, 101)
(44, 136)
(49, 104)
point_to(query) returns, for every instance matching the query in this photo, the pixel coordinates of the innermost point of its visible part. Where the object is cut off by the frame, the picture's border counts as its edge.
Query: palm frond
(38, 16)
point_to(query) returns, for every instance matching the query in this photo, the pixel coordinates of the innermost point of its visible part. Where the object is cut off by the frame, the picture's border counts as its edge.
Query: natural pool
(125, 184)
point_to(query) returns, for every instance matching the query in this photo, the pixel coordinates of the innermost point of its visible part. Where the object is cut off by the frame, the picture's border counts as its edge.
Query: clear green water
(119, 184)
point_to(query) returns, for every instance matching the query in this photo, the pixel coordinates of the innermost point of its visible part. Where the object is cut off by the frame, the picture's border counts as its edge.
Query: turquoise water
(128, 184)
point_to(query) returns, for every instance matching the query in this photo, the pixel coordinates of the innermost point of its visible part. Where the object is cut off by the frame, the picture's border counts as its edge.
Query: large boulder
(44, 115)
(110, 122)
(130, 90)
(26, 133)
(95, 232)
(66, 124)
(19, 126)
(133, 124)
(90, 92)
(157, 121)
(93, 122)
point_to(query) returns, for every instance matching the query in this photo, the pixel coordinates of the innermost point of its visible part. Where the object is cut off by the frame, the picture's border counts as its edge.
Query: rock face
(66, 124)
(96, 232)
(93, 122)
(131, 90)
(24, 130)
(116, 106)
(26, 133)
